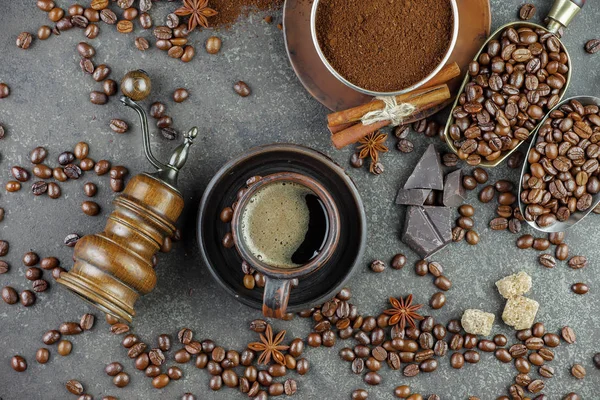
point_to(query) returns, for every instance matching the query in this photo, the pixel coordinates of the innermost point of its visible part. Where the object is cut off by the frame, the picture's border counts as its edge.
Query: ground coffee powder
(230, 10)
(384, 45)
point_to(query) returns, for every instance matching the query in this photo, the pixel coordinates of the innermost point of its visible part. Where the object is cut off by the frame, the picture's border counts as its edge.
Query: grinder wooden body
(114, 267)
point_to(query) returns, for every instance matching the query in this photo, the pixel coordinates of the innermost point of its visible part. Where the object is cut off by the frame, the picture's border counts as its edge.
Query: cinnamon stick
(447, 73)
(339, 128)
(428, 98)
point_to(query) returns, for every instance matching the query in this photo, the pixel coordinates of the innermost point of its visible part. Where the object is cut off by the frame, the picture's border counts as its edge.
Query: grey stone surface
(48, 106)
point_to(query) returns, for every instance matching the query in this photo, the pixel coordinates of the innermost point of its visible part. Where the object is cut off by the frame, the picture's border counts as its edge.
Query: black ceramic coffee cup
(278, 278)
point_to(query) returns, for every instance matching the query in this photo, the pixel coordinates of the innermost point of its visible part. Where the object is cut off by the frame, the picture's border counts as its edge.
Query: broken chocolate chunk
(454, 191)
(427, 229)
(412, 197)
(428, 172)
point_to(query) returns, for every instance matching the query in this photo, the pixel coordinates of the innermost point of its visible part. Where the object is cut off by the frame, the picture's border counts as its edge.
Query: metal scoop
(575, 217)
(561, 14)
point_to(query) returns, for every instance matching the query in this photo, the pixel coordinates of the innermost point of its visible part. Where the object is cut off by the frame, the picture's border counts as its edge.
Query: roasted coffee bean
(42, 355)
(188, 54)
(487, 194)
(522, 365)
(18, 363)
(457, 360)
(102, 167)
(162, 380)
(398, 262)
(20, 173)
(377, 266)
(109, 87)
(98, 98)
(360, 394)
(242, 89)
(466, 210)
(27, 298)
(578, 371)
(578, 262)
(113, 368)
(90, 208)
(541, 244)
(9, 295)
(517, 350)
(437, 301)
(56, 272)
(33, 274)
(74, 387)
(39, 285)
(51, 337)
(119, 126)
(442, 283)
(4, 267)
(118, 172)
(38, 188)
(180, 95)
(547, 260)
(64, 348)
(437, 270)
(405, 146)
(141, 44)
(42, 171)
(38, 155)
(472, 237)
(24, 40)
(592, 46)
(503, 355)
(136, 350)
(30, 259)
(580, 288)
(4, 90)
(157, 110)
(70, 328)
(86, 50)
(469, 182)
(411, 370)
(525, 242)
(13, 186)
(527, 11)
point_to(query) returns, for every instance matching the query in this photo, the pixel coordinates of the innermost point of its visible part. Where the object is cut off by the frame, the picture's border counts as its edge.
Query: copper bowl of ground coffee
(382, 47)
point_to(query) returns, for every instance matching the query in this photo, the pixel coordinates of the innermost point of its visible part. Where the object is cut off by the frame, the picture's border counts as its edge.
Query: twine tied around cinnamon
(392, 111)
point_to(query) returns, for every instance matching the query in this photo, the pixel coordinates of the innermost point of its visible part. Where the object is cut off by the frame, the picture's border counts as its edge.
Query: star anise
(270, 347)
(373, 144)
(198, 11)
(403, 312)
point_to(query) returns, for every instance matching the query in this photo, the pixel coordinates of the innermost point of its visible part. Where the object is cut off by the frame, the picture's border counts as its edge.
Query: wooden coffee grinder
(114, 267)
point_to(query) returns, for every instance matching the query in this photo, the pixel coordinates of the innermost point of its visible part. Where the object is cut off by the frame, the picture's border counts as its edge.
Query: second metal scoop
(561, 14)
(575, 217)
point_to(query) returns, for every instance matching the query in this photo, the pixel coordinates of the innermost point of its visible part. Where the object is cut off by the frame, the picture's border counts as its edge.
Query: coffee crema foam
(275, 222)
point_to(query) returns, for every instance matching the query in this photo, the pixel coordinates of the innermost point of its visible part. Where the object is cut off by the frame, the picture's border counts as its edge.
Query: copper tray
(475, 22)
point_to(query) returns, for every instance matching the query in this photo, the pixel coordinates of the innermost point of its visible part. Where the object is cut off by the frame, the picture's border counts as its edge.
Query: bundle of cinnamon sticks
(346, 126)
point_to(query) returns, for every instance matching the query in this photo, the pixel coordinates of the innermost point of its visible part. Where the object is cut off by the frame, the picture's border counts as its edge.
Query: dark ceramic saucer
(225, 264)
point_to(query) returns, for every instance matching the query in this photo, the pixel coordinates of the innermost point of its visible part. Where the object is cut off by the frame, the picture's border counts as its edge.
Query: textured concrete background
(49, 107)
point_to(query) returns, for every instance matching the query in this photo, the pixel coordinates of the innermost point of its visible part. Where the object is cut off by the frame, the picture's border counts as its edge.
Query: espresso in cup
(284, 224)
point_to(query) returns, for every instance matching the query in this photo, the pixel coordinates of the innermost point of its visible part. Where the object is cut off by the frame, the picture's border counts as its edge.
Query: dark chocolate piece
(454, 191)
(412, 197)
(428, 172)
(427, 229)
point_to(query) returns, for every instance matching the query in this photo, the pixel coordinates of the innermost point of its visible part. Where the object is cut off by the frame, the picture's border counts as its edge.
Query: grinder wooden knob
(136, 85)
